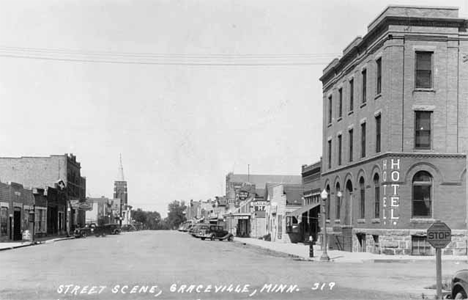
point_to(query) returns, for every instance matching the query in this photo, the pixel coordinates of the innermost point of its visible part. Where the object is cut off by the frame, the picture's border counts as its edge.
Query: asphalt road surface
(174, 265)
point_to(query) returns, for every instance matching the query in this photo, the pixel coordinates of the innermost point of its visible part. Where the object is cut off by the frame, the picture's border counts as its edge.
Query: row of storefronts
(24, 211)
(40, 196)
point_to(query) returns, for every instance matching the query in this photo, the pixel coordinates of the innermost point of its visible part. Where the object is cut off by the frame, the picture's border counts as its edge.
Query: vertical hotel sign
(391, 190)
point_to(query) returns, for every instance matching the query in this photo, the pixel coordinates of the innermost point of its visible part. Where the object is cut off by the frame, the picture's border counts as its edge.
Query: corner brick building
(53, 171)
(395, 133)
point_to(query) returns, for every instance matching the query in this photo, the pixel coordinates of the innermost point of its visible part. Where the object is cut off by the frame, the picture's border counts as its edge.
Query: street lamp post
(324, 257)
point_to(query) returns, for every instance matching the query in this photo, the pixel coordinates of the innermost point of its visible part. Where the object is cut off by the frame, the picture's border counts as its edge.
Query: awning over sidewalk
(302, 210)
(78, 205)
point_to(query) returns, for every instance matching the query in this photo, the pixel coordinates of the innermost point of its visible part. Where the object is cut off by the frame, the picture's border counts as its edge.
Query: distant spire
(121, 172)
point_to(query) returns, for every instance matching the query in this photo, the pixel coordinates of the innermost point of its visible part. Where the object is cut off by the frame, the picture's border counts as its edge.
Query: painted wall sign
(391, 188)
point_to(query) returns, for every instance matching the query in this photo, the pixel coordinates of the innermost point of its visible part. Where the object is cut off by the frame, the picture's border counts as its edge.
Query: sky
(185, 91)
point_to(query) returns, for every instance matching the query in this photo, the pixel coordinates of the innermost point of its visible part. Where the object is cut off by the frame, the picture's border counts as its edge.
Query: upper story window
(339, 149)
(364, 86)
(379, 76)
(422, 130)
(329, 154)
(423, 70)
(340, 103)
(351, 137)
(330, 109)
(351, 95)
(378, 121)
(363, 139)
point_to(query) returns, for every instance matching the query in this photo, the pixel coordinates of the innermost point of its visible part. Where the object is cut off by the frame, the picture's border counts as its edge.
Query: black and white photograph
(233, 149)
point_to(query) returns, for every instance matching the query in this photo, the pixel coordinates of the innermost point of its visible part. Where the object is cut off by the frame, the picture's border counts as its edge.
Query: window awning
(302, 210)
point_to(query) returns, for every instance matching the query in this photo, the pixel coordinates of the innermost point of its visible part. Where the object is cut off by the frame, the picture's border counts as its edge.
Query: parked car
(103, 230)
(188, 228)
(195, 228)
(183, 227)
(128, 227)
(460, 285)
(83, 232)
(215, 232)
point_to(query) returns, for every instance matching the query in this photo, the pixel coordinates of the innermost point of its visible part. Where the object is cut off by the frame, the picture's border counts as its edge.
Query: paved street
(164, 265)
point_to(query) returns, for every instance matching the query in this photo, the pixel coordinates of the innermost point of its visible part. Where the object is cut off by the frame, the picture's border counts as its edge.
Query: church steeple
(121, 171)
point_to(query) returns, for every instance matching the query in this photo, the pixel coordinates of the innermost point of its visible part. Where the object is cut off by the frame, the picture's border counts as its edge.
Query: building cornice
(397, 154)
(361, 46)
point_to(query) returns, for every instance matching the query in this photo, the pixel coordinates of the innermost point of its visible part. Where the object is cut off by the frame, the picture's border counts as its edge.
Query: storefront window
(362, 190)
(377, 196)
(422, 202)
(292, 224)
(3, 221)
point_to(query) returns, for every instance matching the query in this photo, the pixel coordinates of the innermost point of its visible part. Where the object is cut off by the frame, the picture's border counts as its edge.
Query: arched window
(422, 200)
(338, 201)
(377, 196)
(362, 189)
(327, 213)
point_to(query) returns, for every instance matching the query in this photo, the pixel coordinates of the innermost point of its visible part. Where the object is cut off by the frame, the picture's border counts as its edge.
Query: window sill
(350, 112)
(339, 119)
(424, 90)
(327, 221)
(378, 96)
(361, 221)
(337, 221)
(375, 221)
(423, 149)
(329, 125)
(422, 220)
(363, 104)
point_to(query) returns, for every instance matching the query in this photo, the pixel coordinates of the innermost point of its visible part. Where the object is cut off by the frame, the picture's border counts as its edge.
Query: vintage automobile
(214, 232)
(83, 232)
(128, 227)
(195, 228)
(460, 285)
(97, 230)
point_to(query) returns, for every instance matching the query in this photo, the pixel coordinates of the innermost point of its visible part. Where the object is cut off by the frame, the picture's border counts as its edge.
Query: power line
(166, 59)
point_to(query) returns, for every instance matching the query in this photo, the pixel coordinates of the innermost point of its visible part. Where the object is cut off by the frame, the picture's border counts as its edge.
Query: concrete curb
(37, 243)
(343, 259)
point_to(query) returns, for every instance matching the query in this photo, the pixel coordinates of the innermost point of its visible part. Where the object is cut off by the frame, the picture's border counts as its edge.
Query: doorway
(362, 242)
(17, 225)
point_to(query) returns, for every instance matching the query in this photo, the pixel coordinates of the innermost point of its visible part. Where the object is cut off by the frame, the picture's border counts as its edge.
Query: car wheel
(84, 234)
(230, 238)
(103, 235)
(212, 237)
(96, 235)
(202, 239)
(460, 295)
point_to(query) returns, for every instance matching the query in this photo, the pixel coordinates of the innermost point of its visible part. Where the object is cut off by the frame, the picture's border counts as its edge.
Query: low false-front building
(395, 133)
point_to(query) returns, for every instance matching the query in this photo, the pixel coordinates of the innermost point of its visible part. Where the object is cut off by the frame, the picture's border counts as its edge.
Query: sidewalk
(39, 241)
(301, 251)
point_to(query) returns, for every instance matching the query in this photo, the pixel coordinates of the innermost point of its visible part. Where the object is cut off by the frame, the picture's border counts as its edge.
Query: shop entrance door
(17, 225)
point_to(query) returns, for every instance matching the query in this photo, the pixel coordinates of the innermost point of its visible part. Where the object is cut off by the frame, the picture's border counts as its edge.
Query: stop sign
(439, 235)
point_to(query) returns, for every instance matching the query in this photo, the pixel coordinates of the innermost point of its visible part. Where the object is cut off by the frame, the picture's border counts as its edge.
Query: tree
(175, 215)
(139, 215)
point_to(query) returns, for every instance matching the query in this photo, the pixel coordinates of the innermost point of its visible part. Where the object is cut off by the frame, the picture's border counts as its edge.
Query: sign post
(439, 235)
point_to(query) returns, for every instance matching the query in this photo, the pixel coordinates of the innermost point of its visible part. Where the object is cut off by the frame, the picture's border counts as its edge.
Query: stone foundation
(399, 242)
